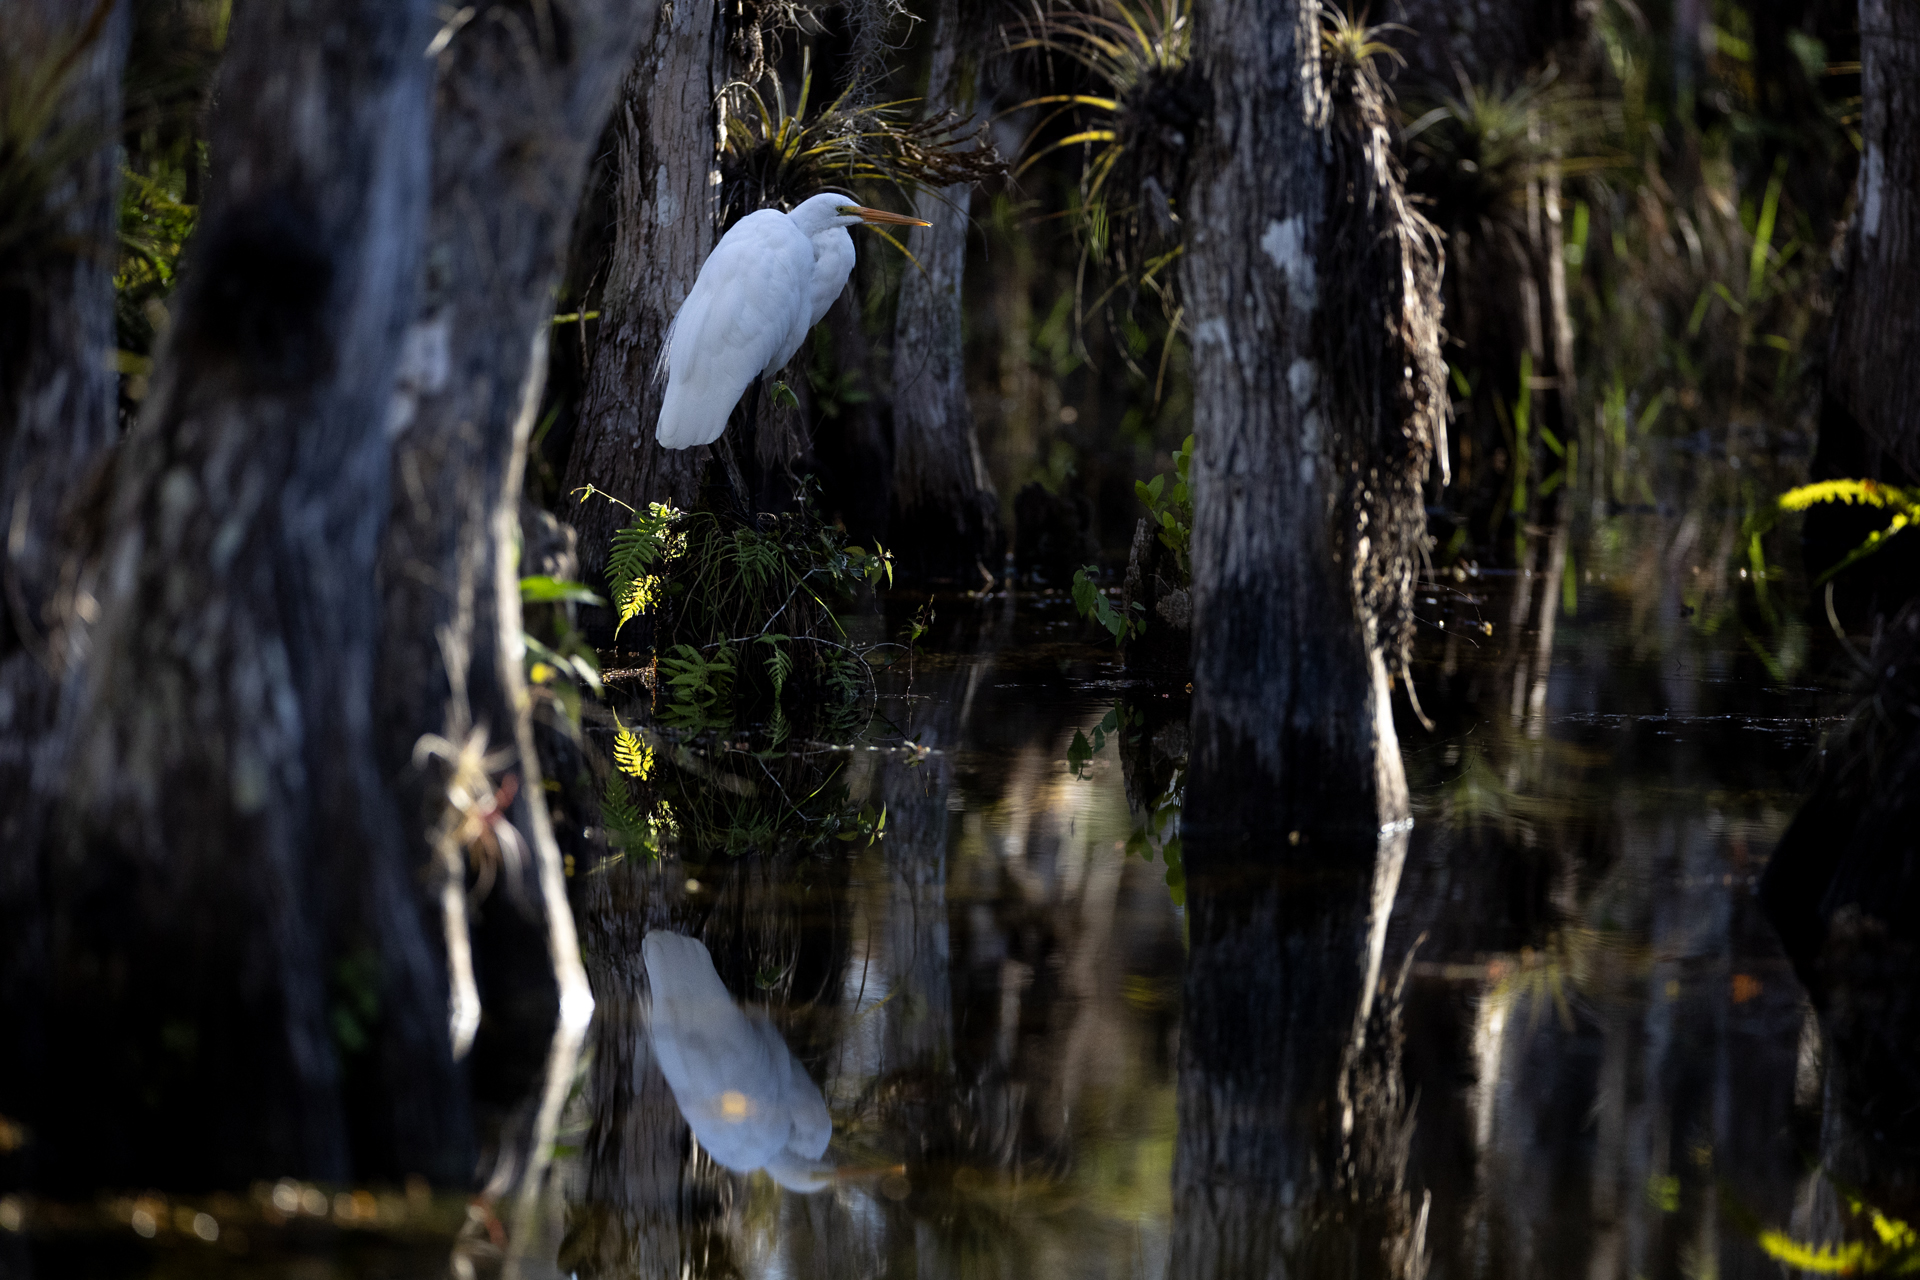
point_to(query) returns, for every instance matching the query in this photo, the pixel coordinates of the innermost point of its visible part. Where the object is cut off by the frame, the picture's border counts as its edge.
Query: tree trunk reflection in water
(1292, 1140)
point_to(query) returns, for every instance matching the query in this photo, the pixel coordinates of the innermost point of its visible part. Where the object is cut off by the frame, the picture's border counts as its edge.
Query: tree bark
(665, 205)
(1317, 402)
(57, 422)
(243, 983)
(1841, 889)
(1292, 1143)
(944, 511)
(1874, 358)
(1318, 395)
(524, 93)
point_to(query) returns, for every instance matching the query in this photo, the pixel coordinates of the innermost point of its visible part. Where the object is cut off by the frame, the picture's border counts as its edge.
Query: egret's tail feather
(686, 421)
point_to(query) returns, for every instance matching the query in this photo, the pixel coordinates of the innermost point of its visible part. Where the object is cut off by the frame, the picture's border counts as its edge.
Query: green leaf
(1085, 592)
(1078, 753)
(783, 394)
(545, 590)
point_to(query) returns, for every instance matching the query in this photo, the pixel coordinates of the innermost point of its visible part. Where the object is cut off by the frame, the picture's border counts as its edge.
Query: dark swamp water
(1608, 1065)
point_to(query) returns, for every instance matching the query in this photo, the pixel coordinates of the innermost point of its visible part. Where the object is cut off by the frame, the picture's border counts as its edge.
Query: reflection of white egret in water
(745, 1096)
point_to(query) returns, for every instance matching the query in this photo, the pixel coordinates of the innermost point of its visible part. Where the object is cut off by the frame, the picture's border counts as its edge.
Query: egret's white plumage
(747, 1099)
(769, 280)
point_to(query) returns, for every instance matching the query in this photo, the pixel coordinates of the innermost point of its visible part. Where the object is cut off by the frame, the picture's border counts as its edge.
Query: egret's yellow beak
(881, 215)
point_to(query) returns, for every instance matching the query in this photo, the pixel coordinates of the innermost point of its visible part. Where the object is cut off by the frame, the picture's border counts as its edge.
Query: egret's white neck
(822, 213)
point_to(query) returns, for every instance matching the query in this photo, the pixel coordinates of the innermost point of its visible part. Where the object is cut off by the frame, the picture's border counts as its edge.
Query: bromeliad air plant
(773, 157)
(1137, 125)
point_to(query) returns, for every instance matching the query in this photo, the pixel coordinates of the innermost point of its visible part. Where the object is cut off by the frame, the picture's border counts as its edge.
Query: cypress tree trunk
(1842, 888)
(1318, 395)
(524, 93)
(1318, 400)
(56, 419)
(944, 518)
(1874, 359)
(243, 981)
(665, 200)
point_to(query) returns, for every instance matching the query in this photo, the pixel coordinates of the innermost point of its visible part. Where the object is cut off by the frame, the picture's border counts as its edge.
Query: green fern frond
(626, 827)
(631, 756)
(1864, 492)
(779, 664)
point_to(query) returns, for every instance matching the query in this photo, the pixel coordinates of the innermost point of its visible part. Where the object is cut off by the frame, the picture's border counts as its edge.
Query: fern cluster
(742, 612)
(1903, 503)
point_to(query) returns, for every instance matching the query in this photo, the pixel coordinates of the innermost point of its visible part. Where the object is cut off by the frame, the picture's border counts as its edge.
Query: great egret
(766, 283)
(747, 1099)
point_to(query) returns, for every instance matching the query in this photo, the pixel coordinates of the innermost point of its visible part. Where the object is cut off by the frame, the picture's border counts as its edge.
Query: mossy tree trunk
(1317, 400)
(665, 203)
(57, 422)
(523, 95)
(242, 979)
(1312, 289)
(945, 516)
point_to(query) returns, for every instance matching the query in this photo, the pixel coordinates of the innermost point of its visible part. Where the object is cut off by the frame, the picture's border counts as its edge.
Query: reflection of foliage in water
(726, 793)
(1893, 1249)
(1155, 801)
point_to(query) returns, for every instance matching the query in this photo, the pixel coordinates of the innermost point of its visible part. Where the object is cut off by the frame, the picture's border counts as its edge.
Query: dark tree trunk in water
(524, 93)
(1318, 396)
(1874, 361)
(1843, 888)
(1313, 294)
(945, 515)
(56, 425)
(243, 980)
(1292, 1144)
(1843, 893)
(664, 206)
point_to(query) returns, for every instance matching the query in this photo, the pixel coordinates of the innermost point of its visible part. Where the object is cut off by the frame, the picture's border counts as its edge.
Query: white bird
(769, 280)
(747, 1099)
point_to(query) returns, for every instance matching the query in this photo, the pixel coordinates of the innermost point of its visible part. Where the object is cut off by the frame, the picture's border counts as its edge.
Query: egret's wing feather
(736, 319)
(666, 348)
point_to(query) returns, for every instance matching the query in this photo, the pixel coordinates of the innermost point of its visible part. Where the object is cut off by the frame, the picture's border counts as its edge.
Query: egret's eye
(849, 210)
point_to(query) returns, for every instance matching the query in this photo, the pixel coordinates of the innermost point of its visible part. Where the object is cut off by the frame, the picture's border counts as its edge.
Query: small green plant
(1125, 214)
(1081, 750)
(1158, 833)
(702, 682)
(773, 156)
(1172, 509)
(564, 665)
(1894, 1249)
(1095, 606)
